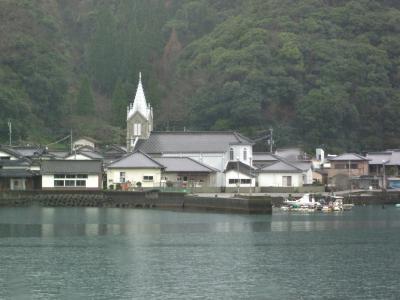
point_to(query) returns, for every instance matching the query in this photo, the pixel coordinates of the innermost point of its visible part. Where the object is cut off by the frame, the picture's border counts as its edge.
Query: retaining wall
(123, 199)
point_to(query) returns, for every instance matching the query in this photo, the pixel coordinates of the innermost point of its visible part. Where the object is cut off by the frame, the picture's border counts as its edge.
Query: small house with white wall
(239, 175)
(136, 169)
(186, 172)
(84, 141)
(71, 174)
(283, 173)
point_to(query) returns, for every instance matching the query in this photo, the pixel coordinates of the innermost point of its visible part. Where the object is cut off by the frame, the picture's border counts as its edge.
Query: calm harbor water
(95, 253)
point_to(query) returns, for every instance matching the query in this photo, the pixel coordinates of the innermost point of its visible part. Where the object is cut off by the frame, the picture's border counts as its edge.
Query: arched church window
(137, 129)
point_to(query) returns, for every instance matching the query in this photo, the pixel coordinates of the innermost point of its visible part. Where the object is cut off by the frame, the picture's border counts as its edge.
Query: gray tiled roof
(59, 154)
(28, 151)
(71, 167)
(390, 158)
(135, 160)
(183, 164)
(178, 142)
(348, 156)
(280, 166)
(263, 156)
(91, 154)
(243, 168)
(16, 173)
(302, 165)
(14, 163)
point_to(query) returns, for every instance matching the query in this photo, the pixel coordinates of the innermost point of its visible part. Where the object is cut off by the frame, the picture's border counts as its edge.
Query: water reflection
(54, 222)
(76, 253)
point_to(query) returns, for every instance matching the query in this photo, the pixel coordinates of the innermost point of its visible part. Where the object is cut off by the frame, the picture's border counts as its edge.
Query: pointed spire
(140, 104)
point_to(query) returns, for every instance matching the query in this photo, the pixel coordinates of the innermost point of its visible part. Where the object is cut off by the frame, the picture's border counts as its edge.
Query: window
(81, 183)
(231, 154)
(147, 178)
(245, 181)
(122, 177)
(345, 166)
(233, 181)
(137, 129)
(245, 154)
(69, 182)
(287, 181)
(58, 182)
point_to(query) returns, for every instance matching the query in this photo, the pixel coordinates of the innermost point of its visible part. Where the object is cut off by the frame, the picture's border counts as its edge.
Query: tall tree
(85, 101)
(119, 104)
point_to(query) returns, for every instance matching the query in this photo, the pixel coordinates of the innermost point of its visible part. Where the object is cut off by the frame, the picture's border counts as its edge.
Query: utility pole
(9, 131)
(70, 140)
(271, 139)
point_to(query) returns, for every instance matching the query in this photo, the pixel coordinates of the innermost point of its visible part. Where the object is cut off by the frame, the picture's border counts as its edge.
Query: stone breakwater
(147, 199)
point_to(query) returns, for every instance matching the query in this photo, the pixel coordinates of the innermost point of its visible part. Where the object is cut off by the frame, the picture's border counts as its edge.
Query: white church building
(227, 153)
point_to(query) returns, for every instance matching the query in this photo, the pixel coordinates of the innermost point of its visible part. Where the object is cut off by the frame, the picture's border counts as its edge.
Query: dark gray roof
(28, 151)
(135, 160)
(16, 173)
(243, 168)
(71, 167)
(183, 164)
(177, 142)
(14, 163)
(348, 156)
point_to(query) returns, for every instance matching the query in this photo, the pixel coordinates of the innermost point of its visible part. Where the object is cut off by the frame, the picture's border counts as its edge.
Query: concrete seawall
(147, 199)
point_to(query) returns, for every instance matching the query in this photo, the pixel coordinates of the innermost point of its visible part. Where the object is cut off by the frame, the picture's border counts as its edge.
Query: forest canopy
(320, 72)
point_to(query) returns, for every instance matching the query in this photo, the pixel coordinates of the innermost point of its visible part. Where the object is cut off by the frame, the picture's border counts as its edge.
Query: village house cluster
(206, 161)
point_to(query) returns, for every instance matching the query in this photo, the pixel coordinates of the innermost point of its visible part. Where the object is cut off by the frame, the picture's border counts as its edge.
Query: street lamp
(238, 183)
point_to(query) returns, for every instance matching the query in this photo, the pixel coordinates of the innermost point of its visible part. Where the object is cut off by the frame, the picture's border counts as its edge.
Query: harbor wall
(124, 199)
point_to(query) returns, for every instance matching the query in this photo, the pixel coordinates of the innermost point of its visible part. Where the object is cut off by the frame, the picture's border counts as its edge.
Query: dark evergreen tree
(84, 100)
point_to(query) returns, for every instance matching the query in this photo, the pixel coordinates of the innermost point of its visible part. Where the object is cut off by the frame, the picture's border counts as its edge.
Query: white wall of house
(233, 175)
(78, 157)
(83, 142)
(308, 176)
(4, 155)
(277, 180)
(208, 179)
(92, 182)
(134, 176)
(218, 160)
(239, 152)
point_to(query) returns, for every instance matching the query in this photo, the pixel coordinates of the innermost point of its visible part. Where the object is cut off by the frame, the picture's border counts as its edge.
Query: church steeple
(139, 104)
(139, 117)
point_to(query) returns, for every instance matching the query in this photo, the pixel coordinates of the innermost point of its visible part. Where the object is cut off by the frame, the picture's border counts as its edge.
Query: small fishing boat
(397, 205)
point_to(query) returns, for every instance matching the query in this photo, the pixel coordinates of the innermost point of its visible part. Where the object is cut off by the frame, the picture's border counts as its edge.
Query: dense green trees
(84, 101)
(322, 73)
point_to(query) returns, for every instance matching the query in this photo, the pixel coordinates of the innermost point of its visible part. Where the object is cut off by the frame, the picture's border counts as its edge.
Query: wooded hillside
(320, 72)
